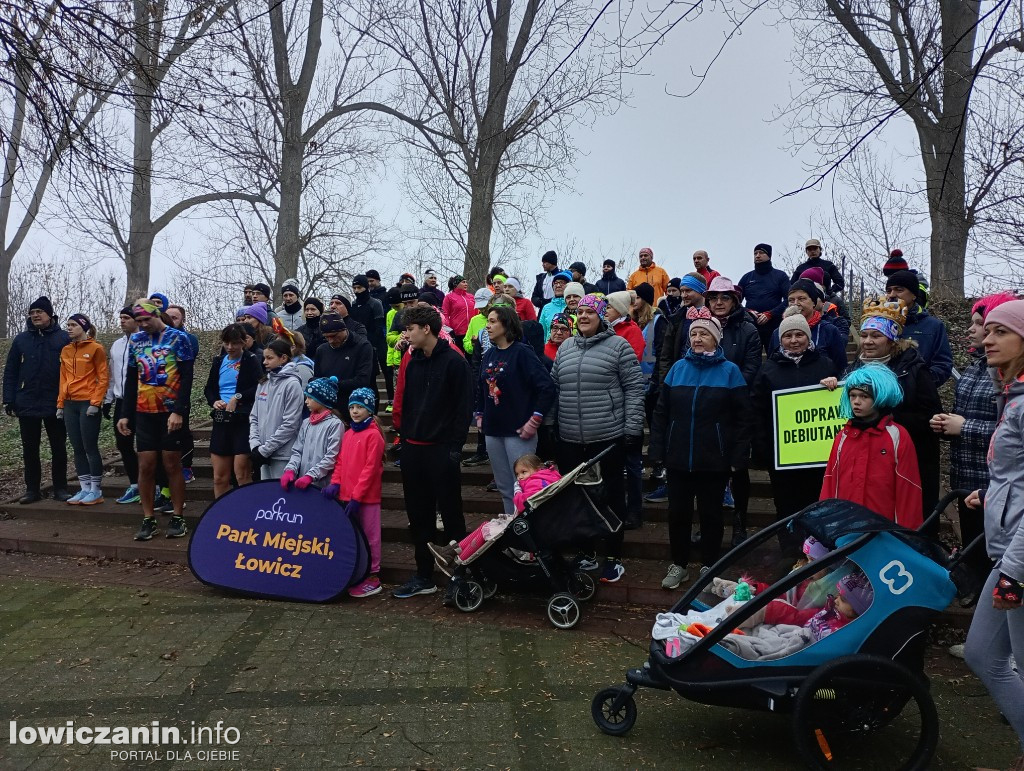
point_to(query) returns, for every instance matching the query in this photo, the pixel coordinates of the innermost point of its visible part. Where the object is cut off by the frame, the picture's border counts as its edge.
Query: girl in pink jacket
(357, 479)
(532, 475)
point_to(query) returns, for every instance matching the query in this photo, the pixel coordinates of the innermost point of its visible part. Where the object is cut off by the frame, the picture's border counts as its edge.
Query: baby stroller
(865, 678)
(527, 556)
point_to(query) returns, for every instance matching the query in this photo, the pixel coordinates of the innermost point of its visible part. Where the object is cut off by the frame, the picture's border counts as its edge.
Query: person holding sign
(795, 364)
(701, 432)
(873, 461)
(276, 415)
(316, 447)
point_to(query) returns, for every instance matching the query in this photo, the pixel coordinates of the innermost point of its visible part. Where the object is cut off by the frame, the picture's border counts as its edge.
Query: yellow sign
(806, 421)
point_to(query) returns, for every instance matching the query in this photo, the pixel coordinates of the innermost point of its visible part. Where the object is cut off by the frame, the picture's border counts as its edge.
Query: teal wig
(877, 380)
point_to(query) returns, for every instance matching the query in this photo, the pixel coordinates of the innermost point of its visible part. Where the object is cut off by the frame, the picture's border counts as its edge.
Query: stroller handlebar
(952, 495)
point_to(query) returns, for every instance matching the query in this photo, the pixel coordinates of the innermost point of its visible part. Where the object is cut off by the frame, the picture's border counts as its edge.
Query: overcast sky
(675, 174)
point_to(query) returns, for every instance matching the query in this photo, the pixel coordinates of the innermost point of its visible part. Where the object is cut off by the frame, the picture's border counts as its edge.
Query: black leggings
(126, 446)
(708, 488)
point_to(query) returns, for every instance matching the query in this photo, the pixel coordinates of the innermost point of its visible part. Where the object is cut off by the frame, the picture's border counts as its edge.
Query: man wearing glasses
(833, 276)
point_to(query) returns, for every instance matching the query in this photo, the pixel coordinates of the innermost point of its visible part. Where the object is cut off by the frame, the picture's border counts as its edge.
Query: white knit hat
(620, 301)
(794, 319)
(574, 288)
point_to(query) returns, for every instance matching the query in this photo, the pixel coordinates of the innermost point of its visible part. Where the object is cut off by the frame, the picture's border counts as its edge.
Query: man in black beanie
(765, 293)
(312, 310)
(343, 307)
(31, 383)
(369, 311)
(542, 290)
(929, 333)
(609, 282)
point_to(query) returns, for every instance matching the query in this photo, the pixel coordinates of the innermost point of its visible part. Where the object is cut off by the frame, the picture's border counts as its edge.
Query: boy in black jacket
(436, 403)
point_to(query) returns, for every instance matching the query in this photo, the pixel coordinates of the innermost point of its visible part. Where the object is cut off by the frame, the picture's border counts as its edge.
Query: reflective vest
(650, 358)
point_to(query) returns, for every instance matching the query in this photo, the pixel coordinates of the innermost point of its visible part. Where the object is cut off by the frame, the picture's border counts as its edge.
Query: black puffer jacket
(742, 343)
(32, 372)
(777, 374)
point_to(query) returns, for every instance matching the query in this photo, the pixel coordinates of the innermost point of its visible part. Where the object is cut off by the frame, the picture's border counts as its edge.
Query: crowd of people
(573, 370)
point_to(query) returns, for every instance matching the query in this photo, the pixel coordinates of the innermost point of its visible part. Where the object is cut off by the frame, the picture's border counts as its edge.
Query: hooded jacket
(83, 373)
(525, 309)
(459, 307)
(1004, 498)
(32, 370)
(766, 290)
(316, 448)
(703, 419)
(360, 466)
(609, 282)
(932, 343)
(600, 389)
(534, 483)
(277, 414)
(553, 306)
(876, 466)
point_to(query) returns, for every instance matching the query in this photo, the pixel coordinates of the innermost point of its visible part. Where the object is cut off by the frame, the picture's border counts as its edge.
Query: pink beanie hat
(985, 305)
(1010, 315)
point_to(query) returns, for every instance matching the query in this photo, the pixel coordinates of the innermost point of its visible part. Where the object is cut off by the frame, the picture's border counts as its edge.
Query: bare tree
(490, 90)
(866, 61)
(55, 74)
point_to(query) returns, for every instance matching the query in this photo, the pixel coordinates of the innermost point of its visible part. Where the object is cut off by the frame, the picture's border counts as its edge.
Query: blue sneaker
(728, 501)
(131, 495)
(91, 498)
(612, 571)
(412, 587)
(189, 476)
(659, 495)
(76, 499)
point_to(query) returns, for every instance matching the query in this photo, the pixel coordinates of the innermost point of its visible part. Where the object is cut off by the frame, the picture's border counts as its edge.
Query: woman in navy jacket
(701, 432)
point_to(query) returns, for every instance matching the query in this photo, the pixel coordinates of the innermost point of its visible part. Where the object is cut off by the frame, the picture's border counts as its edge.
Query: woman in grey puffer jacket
(997, 630)
(277, 414)
(600, 405)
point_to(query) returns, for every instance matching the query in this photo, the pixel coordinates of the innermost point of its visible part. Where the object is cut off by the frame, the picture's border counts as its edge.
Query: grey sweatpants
(994, 636)
(504, 451)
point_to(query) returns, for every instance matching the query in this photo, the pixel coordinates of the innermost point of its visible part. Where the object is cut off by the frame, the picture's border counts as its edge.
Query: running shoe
(76, 499)
(367, 588)
(612, 571)
(131, 495)
(147, 530)
(415, 585)
(177, 528)
(658, 495)
(91, 498)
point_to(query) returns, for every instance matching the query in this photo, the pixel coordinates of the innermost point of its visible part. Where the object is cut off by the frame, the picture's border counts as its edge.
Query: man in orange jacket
(651, 273)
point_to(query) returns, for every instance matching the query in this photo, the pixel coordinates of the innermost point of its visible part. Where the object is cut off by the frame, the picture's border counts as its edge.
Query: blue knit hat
(877, 380)
(364, 397)
(324, 390)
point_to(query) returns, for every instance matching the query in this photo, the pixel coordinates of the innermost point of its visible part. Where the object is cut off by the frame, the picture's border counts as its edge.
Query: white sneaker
(439, 523)
(956, 651)
(675, 576)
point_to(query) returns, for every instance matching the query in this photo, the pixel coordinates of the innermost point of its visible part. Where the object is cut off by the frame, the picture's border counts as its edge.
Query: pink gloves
(303, 482)
(529, 429)
(286, 479)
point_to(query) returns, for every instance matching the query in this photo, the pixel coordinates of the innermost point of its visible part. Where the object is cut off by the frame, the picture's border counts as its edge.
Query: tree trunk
(481, 223)
(288, 246)
(140, 216)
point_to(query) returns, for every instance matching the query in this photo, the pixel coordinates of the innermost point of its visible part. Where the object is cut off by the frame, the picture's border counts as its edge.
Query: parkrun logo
(275, 514)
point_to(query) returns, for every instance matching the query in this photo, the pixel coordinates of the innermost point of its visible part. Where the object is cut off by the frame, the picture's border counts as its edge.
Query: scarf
(796, 357)
(294, 307)
(317, 417)
(706, 359)
(763, 268)
(880, 360)
(814, 319)
(362, 425)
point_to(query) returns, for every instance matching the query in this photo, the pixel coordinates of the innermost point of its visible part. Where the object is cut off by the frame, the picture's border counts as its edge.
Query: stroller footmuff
(528, 554)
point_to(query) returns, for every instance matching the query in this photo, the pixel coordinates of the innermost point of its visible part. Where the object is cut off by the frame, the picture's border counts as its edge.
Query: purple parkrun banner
(262, 541)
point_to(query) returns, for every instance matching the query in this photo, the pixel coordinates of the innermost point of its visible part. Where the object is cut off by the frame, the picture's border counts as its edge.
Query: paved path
(375, 684)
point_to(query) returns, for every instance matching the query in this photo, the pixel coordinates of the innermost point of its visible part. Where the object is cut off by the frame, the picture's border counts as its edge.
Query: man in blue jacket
(765, 291)
(922, 327)
(31, 383)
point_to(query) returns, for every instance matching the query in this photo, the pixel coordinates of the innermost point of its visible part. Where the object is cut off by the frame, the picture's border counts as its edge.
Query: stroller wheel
(613, 721)
(564, 611)
(469, 596)
(582, 586)
(854, 710)
(490, 588)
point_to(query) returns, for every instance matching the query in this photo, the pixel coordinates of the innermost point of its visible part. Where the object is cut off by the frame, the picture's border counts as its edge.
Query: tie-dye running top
(156, 359)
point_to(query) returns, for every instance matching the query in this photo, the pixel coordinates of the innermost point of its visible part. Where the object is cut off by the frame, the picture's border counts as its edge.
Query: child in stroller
(532, 475)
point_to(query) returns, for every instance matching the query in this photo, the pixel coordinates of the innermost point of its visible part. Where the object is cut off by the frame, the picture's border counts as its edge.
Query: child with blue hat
(315, 451)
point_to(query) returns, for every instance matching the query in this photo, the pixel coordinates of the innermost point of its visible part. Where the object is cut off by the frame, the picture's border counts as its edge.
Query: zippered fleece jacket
(316, 449)
(600, 389)
(277, 414)
(1004, 499)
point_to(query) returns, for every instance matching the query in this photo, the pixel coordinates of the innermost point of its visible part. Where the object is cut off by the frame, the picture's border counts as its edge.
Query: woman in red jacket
(873, 460)
(618, 317)
(458, 307)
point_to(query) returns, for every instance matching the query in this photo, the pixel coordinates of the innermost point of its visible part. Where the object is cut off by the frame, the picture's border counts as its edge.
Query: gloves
(60, 414)
(303, 482)
(331, 491)
(1009, 590)
(287, 478)
(106, 410)
(352, 508)
(92, 411)
(529, 428)
(9, 410)
(634, 441)
(258, 458)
